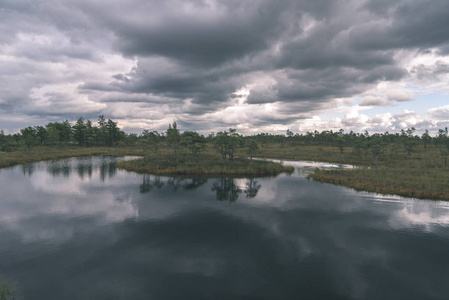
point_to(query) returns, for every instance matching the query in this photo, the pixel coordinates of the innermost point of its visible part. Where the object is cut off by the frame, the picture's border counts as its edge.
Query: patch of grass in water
(206, 164)
(5, 291)
(414, 183)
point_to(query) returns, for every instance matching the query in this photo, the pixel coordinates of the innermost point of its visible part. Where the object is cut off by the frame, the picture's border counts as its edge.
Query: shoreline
(384, 181)
(205, 164)
(406, 177)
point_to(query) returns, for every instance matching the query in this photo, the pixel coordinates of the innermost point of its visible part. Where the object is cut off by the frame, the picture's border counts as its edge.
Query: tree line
(362, 143)
(85, 133)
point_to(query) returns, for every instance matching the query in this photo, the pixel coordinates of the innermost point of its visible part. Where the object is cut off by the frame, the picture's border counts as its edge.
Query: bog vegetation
(5, 291)
(402, 163)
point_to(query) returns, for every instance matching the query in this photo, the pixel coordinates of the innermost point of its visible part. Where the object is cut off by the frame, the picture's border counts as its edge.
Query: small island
(186, 156)
(209, 164)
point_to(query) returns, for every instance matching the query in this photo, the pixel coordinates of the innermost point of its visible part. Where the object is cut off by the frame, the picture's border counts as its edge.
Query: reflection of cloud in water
(62, 201)
(151, 233)
(304, 167)
(47, 183)
(356, 237)
(402, 212)
(429, 215)
(405, 212)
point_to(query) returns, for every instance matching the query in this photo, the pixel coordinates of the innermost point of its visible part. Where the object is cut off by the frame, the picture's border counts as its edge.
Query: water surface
(81, 229)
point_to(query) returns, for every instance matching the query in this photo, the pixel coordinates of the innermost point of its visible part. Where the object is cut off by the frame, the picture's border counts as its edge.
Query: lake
(81, 229)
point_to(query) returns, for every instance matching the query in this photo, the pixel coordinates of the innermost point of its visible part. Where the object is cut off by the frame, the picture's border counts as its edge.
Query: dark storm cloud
(50, 31)
(121, 77)
(432, 72)
(198, 53)
(44, 43)
(419, 24)
(322, 84)
(205, 88)
(203, 50)
(197, 33)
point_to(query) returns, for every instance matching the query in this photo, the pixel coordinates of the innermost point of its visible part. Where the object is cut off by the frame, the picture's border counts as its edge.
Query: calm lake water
(80, 229)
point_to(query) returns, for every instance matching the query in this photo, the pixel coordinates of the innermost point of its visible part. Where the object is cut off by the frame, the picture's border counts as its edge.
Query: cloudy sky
(254, 65)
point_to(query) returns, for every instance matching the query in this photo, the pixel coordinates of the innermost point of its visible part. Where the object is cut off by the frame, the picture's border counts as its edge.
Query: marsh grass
(423, 184)
(47, 153)
(205, 164)
(5, 290)
(421, 175)
(313, 153)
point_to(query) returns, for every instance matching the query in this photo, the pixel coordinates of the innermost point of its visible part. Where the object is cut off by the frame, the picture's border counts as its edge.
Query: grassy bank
(422, 174)
(206, 164)
(47, 153)
(313, 153)
(423, 184)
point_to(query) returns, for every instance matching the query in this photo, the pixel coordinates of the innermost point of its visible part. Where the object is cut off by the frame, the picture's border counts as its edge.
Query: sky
(254, 65)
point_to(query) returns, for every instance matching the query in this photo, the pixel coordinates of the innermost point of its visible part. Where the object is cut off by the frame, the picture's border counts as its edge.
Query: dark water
(80, 229)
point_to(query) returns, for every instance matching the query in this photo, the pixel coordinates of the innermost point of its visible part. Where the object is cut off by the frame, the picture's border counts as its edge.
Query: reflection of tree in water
(28, 169)
(194, 183)
(107, 168)
(226, 189)
(83, 170)
(252, 188)
(59, 167)
(83, 167)
(150, 182)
